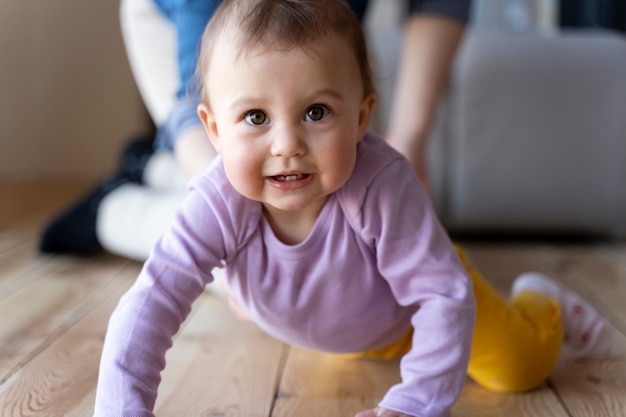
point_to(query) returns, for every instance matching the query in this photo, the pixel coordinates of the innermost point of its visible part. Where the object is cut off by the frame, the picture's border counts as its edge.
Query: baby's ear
(365, 113)
(210, 125)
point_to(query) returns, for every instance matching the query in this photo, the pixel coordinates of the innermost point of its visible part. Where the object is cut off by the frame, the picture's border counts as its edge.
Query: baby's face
(287, 122)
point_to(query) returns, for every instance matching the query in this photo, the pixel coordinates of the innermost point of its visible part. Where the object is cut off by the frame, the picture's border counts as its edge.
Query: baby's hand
(381, 412)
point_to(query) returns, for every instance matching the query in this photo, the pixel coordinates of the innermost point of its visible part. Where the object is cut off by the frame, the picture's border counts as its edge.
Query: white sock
(587, 334)
(163, 172)
(132, 217)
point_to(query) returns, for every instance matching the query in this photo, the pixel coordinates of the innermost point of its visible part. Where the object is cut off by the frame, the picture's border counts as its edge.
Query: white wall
(67, 98)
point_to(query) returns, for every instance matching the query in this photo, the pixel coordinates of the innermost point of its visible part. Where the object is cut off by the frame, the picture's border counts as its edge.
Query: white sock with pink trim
(587, 334)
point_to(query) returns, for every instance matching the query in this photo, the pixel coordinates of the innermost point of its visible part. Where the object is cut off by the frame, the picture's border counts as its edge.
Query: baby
(327, 237)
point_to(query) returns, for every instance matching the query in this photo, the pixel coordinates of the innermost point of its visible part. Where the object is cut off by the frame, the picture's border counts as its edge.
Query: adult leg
(156, 39)
(73, 231)
(184, 133)
(132, 217)
(150, 41)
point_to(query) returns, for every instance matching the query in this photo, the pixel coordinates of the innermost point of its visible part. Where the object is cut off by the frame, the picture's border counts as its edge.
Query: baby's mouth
(291, 181)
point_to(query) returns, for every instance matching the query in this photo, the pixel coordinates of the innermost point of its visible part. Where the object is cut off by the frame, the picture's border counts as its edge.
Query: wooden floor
(53, 313)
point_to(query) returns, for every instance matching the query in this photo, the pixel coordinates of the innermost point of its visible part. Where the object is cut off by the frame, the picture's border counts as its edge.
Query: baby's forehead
(332, 51)
(314, 48)
(281, 41)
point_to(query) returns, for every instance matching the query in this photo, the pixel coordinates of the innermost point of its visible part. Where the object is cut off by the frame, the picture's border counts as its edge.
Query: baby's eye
(316, 113)
(256, 117)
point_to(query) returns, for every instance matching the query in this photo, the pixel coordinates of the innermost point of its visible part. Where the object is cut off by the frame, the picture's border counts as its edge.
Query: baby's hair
(283, 25)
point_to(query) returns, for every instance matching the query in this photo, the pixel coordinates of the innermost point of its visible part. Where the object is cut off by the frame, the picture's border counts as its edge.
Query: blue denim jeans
(190, 17)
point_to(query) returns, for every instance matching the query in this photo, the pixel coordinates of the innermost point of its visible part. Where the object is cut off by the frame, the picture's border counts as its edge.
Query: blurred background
(67, 97)
(68, 101)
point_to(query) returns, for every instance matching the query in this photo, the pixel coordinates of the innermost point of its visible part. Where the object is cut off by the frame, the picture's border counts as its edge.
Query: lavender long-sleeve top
(376, 262)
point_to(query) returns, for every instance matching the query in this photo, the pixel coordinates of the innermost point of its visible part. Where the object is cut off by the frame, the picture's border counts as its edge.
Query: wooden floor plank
(24, 230)
(318, 384)
(477, 401)
(55, 302)
(60, 380)
(20, 266)
(219, 366)
(54, 312)
(594, 387)
(25, 199)
(25, 210)
(331, 386)
(602, 281)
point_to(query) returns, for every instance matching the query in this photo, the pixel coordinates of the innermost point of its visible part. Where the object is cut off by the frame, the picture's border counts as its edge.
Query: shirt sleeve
(422, 268)
(148, 316)
(453, 9)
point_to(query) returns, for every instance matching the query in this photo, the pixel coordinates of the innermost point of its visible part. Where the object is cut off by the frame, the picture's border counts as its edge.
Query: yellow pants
(516, 344)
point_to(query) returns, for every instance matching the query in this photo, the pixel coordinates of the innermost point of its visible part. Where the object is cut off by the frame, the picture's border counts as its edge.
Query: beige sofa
(531, 137)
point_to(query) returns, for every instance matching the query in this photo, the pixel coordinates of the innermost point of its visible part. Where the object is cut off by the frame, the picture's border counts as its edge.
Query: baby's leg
(587, 334)
(517, 344)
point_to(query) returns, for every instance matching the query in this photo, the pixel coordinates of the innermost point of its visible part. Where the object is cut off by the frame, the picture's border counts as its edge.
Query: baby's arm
(434, 370)
(381, 412)
(421, 266)
(140, 332)
(143, 324)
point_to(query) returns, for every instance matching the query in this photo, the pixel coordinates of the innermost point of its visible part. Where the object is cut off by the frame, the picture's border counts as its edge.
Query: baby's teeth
(292, 177)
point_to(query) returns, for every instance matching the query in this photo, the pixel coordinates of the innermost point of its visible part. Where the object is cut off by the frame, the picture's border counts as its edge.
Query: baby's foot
(587, 333)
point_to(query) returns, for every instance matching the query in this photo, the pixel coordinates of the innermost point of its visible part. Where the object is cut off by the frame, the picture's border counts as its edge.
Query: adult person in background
(127, 212)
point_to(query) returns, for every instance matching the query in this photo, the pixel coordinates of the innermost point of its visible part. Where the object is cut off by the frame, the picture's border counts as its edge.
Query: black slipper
(135, 158)
(74, 230)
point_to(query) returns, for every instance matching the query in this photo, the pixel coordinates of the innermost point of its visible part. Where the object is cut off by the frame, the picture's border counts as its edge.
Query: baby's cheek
(344, 165)
(246, 175)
